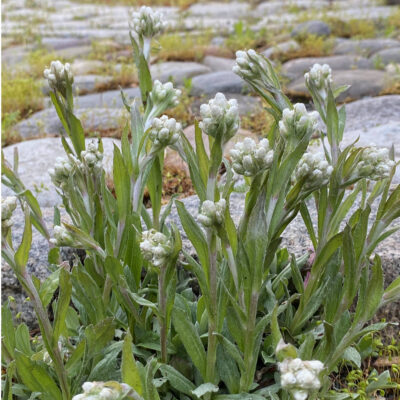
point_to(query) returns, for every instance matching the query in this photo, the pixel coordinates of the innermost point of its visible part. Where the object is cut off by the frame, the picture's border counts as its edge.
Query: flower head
(314, 169)
(220, 117)
(105, 391)
(297, 122)
(155, 247)
(8, 205)
(164, 131)
(62, 170)
(57, 76)
(300, 377)
(165, 93)
(319, 77)
(374, 164)
(212, 213)
(146, 22)
(92, 157)
(62, 237)
(249, 157)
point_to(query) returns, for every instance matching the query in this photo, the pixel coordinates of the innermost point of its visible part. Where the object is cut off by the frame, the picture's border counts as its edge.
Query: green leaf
(76, 133)
(392, 292)
(352, 355)
(177, 380)
(129, 371)
(201, 153)
(36, 378)
(374, 289)
(190, 339)
(22, 254)
(350, 268)
(7, 331)
(204, 389)
(145, 81)
(60, 327)
(122, 185)
(48, 287)
(22, 340)
(99, 335)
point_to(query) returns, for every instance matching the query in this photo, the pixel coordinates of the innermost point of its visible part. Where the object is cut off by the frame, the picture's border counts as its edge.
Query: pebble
(177, 71)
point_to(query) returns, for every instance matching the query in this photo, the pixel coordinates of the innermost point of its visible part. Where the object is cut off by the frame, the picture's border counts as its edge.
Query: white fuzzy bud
(300, 377)
(211, 213)
(155, 247)
(314, 169)
(249, 157)
(62, 170)
(8, 205)
(374, 164)
(220, 117)
(164, 131)
(297, 122)
(146, 22)
(62, 237)
(92, 157)
(105, 391)
(320, 77)
(165, 93)
(57, 76)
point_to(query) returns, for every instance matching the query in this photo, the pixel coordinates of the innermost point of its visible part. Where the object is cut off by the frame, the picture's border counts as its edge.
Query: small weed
(40, 59)
(393, 22)
(245, 38)
(354, 28)
(7, 122)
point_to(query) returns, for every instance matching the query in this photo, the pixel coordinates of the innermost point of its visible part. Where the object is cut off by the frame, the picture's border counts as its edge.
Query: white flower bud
(212, 213)
(105, 391)
(220, 117)
(63, 168)
(165, 93)
(374, 164)
(155, 247)
(319, 77)
(92, 157)
(314, 169)
(62, 237)
(146, 22)
(8, 205)
(297, 122)
(57, 76)
(249, 157)
(164, 131)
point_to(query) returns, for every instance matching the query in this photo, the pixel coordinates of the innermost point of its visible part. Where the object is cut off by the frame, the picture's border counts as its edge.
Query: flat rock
(74, 52)
(365, 46)
(220, 81)
(177, 71)
(56, 43)
(91, 83)
(387, 56)
(36, 157)
(363, 83)
(46, 122)
(284, 47)
(317, 28)
(294, 69)
(219, 63)
(218, 9)
(84, 67)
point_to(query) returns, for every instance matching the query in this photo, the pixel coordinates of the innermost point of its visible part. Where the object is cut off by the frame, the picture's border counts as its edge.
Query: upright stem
(162, 304)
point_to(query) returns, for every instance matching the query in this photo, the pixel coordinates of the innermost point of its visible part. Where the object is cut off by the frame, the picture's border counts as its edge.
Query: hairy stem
(162, 304)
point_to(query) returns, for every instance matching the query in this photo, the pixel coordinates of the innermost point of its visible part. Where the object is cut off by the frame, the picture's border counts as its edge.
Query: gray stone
(363, 83)
(84, 67)
(318, 28)
(56, 43)
(219, 63)
(15, 54)
(217, 41)
(46, 122)
(216, 9)
(36, 157)
(91, 83)
(387, 56)
(177, 71)
(364, 46)
(295, 68)
(284, 47)
(108, 99)
(220, 81)
(74, 52)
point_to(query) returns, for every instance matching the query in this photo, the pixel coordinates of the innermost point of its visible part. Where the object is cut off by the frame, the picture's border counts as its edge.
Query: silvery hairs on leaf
(320, 77)
(220, 117)
(62, 238)
(374, 164)
(105, 391)
(62, 170)
(297, 122)
(57, 74)
(249, 157)
(155, 247)
(314, 169)
(8, 205)
(164, 131)
(212, 213)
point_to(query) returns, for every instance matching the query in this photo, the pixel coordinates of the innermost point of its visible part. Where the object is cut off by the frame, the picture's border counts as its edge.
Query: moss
(258, 123)
(354, 28)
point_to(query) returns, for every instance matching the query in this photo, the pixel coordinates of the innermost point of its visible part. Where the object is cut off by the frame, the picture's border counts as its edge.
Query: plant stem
(162, 304)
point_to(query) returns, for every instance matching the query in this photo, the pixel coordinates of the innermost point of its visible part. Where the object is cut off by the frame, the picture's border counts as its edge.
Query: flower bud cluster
(155, 247)
(164, 131)
(62, 237)
(165, 92)
(297, 122)
(8, 205)
(249, 157)
(57, 76)
(105, 391)
(211, 213)
(374, 164)
(92, 157)
(249, 64)
(62, 170)
(300, 377)
(314, 169)
(220, 117)
(146, 22)
(320, 77)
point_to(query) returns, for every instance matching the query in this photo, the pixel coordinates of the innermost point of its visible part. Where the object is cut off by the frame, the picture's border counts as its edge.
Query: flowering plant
(142, 317)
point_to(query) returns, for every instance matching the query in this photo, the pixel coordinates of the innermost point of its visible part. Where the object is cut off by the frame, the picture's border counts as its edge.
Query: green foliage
(244, 37)
(173, 324)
